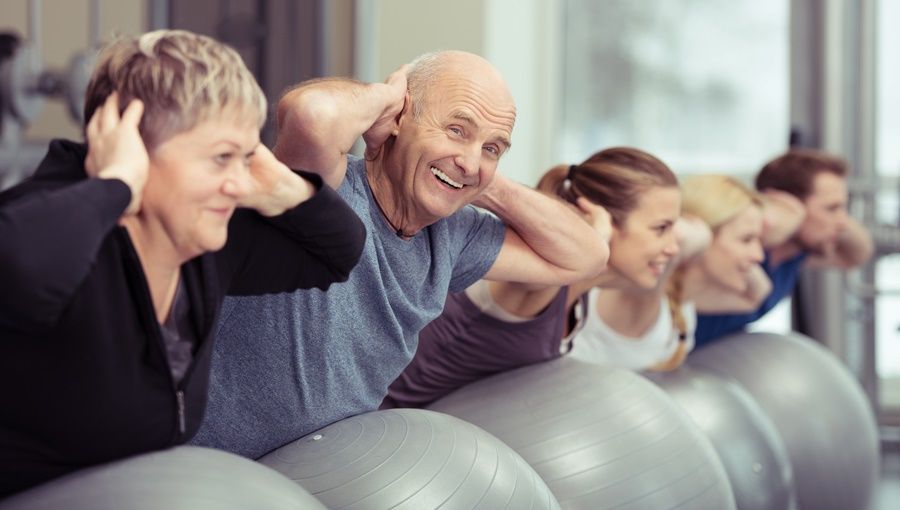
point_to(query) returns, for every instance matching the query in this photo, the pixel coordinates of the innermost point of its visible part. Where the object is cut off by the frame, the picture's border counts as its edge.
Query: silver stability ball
(410, 459)
(819, 409)
(183, 478)
(741, 432)
(600, 437)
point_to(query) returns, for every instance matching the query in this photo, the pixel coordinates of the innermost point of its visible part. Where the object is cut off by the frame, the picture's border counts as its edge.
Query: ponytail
(674, 294)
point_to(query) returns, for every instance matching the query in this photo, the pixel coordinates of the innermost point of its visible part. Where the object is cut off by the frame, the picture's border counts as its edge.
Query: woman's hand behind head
(597, 216)
(273, 187)
(115, 147)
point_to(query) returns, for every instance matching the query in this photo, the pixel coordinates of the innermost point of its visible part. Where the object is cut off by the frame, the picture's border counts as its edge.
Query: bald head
(431, 71)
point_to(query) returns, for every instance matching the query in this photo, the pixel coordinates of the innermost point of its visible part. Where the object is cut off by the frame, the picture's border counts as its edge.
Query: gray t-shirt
(289, 364)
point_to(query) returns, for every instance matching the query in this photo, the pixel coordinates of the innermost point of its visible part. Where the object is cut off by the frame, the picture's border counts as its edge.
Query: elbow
(343, 266)
(591, 264)
(304, 117)
(855, 248)
(867, 250)
(26, 305)
(595, 262)
(756, 299)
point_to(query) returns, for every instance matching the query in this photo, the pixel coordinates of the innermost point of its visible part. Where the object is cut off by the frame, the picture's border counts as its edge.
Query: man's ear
(404, 112)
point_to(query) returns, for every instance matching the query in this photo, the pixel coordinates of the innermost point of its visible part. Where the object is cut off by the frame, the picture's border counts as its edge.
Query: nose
(672, 247)
(238, 182)
(469, 158)
(757, 255)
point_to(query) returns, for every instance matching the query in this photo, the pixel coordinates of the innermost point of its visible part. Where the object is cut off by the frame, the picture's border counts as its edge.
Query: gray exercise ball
(746, 440)
(819, 409)
(410, 459)
(600, 437)
(183, 478)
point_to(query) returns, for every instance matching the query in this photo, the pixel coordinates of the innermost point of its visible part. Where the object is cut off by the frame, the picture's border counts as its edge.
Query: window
(702, 84)
(887, 162)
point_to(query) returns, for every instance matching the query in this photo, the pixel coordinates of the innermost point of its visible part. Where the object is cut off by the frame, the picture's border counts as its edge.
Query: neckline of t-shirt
(381, 222)
(619, 338)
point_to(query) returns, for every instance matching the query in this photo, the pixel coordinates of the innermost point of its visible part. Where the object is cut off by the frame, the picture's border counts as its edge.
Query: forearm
(854, 246)
(319, 121)
(783, 214)
(570, 248)
(50, 242)
(694, 236)
(759, 286)
(313, 245)
(290, 191)
(522, 300)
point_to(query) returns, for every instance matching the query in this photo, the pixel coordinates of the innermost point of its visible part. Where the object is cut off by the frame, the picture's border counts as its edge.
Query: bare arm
(319, 120)
(546, 243)
(783, 214)
(694, 236)
(853, 248)
(711, 300)
(527, 299)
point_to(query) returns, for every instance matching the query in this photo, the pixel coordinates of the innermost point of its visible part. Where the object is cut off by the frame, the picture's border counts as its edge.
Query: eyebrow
(467, 119)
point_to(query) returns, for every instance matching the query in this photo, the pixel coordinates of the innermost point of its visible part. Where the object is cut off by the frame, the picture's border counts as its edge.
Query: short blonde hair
(183, 79)
(716, 199)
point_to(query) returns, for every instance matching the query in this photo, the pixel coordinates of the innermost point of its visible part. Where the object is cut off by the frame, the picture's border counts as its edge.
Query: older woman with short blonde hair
(117, 254)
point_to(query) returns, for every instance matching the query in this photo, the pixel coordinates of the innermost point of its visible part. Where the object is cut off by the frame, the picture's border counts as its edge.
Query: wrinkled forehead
(478, 86)
(489, 113)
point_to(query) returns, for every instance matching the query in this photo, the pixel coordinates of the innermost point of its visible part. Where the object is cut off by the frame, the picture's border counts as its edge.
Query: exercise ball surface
(818, 408)
(182, 478)
(410, 459)
(748, 444)
(600, 437)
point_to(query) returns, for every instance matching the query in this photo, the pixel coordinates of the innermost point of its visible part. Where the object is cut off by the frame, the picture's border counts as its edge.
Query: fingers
(597, 216)
(93, 127)
(594, 210)
(109, 113)
(262, 153)
(400, 73)
(132, 114)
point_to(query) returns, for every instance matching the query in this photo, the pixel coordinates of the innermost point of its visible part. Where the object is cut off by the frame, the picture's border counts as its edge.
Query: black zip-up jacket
(84, 377)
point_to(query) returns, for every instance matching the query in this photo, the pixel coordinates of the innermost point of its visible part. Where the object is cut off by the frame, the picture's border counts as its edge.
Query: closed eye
(223, 158)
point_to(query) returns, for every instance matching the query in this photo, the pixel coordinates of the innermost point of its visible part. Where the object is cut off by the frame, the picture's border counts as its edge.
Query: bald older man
(289, 364)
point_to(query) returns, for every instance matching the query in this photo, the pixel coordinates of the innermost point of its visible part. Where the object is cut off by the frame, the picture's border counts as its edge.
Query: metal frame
(834, 76)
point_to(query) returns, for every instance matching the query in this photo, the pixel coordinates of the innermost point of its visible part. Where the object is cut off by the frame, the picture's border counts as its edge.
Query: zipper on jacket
(179, 395)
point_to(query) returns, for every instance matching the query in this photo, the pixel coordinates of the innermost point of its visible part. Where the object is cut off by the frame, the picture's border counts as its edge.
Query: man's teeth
(444, 177)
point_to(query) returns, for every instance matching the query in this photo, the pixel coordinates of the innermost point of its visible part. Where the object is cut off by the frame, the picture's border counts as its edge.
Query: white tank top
(597, 343)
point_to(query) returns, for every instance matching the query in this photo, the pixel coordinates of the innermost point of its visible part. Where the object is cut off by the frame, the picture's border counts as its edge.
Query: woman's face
(195, 181)
(735, 250)
(644, 244)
